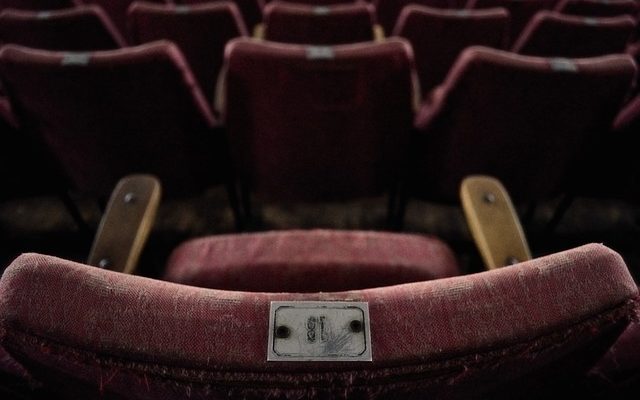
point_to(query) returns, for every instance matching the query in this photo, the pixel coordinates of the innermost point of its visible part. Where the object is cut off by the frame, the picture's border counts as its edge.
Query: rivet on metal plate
(489, 198)
(104, 263)
(130, 198)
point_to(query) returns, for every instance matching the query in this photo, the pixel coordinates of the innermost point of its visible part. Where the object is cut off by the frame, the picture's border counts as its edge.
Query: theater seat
(117, 10)
(389, 10)
(37, 5)
(83, 28)
(529, 330)
(251, 10)
(598, 8)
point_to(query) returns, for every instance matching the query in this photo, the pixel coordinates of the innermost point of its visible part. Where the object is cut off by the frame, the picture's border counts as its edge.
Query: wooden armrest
(493, 222)
(378, 33)
(126, 224)
(258, 31)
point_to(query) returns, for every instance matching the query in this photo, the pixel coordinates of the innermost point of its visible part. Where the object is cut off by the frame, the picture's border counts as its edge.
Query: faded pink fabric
(309, 261)
(89, 332)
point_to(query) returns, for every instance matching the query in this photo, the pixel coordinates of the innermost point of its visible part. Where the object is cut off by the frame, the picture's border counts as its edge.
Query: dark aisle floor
(43, 225)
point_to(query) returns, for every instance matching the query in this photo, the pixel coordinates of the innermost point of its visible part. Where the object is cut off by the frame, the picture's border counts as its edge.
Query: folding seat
(528, 121)
(201, 31)
(389, 10)
(520, 11)
(37, 5)
(316, 123)
(599, 8)
(59, 30)
(550, 34)
(438, 36)
(109, 114)
(534, 329)
(251, 10)
(117, 10)
(322, 25)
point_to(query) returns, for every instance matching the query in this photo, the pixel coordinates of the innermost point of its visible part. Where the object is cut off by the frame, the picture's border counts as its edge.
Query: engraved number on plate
(319, 331)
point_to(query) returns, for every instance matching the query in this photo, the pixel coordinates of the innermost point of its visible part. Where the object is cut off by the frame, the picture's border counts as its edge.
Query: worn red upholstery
(109, 114)
(520, 11)
(550, 34)
(309, 261)
(389, 10)
(309, 123)
(327, 25)
(37, 5)
(518, 332)
(117, 10)
(251, 10)
(599, 8)
(528, 121)
(429, 32)
(201, 31)
(84, 28)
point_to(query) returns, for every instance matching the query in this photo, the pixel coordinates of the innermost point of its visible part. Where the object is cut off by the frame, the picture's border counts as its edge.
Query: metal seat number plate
(319, 331)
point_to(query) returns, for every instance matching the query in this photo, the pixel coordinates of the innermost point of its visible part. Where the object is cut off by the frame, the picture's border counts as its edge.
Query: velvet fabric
(37, 5)
(389, 10)
(599, 8)
(251, 10)
(109, 114)
(309, 261)
(201, 31)
(438, 36)
(322, 25)
(550, 34)
(520, 11)
(312, 123)
(529, 121)
(512, 332)
(117, 10)
(83, 28)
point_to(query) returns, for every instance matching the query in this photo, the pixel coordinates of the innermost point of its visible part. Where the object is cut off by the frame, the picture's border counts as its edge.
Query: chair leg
(559, 212)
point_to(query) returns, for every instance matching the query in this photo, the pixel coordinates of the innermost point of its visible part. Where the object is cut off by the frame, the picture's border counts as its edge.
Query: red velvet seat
(314, 123)
(599, 8)
(526, 331)
(324, 25)
(251, 10)
(83, 28)
(389, 10)
(429, 30)
(520, 11)
(117, 10)
(550, 34)
(109, 114)
(201, 31)
(309, 261)
(529, 121)
(37, 5)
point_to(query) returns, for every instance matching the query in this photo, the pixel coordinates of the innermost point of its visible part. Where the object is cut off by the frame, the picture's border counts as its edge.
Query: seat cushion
(309, 261)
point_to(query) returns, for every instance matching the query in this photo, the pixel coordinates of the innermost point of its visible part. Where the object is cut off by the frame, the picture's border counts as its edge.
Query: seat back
(528, 121)
(389, 10)
(326, 25)
(117, 10)
(309, 123)
(201, 32)
(550, 34)
(520, 11)
(429, 32)
(113, 113)
(84, 28)
(598, 8)
(251, 10)
(519, 332)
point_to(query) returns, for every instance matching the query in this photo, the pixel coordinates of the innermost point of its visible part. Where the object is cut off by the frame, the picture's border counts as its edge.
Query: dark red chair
(201, 31)
(528, 121)
(83, 28)
(251, 10)
(117, 10)
(520, 11)
(325, 25)
(113, 113)
(550, 34)
(528, 331)
(315, 123)
(435, 48)
(599, 8)
(388, 11)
